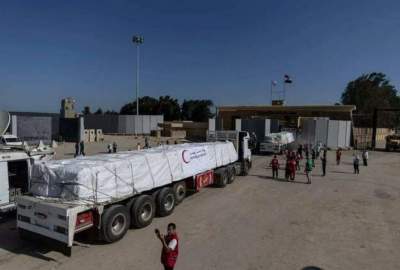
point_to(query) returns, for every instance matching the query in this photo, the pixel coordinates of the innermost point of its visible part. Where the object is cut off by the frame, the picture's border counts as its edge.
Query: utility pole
(138, 40)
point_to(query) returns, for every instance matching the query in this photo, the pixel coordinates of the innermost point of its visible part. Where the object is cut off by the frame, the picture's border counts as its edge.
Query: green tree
(147, 105)
(370, 91)
(111, 112)
(197, 110)
(86, 110)
(169, 107)
(99, 111)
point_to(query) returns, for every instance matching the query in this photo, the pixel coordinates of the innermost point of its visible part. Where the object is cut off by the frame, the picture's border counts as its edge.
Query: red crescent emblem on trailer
(185, 159)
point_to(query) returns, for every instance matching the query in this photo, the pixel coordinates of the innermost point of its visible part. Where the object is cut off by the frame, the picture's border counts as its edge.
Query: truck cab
(240, 140)
(14, 177)
(10, 140)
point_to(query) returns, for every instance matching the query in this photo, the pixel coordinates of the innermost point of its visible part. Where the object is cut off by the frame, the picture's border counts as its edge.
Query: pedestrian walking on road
(109, 148)
(323, 164)
(82, 148)
(356, 163)
(76, 149)
(146, 142)
(338, 155)
(292, 167)
(313, 154)
(275, 167)
(298, 158)
(114, 147)
(365, 157)
(308, 170)
(170, 247)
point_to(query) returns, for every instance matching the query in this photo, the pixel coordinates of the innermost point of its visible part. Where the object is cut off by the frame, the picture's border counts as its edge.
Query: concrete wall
(332, 133)
(124, 124)
(34, 128)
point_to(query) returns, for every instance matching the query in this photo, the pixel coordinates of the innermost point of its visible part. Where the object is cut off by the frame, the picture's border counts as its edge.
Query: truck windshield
(11, 140)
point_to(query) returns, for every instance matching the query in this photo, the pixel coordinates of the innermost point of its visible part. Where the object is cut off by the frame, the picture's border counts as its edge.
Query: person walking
(298, 158)
(365, 157)
(82, 148)
(300, 151)
(146, 142)
(287, 169)
(313, 154)
(275, 167)
(170, 247)
(76, 149)
(308, 170)
(338, 155)
(114, 147)
(356, 163)
(292, 168)
(109, 148)
(323, 164)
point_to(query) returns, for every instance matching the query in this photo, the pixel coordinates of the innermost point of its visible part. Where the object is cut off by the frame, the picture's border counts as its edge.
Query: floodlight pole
(137, 40)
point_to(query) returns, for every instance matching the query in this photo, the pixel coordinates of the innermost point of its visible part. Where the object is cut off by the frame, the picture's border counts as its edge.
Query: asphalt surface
(341, 221)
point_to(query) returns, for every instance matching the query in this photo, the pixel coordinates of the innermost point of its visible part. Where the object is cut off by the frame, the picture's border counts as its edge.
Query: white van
(14, 176)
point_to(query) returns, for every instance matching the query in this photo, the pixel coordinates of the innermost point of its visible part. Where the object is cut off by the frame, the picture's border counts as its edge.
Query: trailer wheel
(179, 191)
(165, 202)
(245, 168)
(24, 234)
(142, 211)
(115, 223)
(222, 177)
(231, 174)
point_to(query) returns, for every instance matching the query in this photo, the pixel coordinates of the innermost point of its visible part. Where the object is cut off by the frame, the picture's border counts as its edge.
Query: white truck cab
(14, 176)
(10, 140)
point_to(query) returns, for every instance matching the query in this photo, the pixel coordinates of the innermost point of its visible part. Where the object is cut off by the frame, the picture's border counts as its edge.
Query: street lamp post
(137, 40)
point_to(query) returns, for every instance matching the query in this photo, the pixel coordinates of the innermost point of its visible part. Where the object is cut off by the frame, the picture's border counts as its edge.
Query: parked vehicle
(393, 142)
(276, 143)
(10, 140)
(14, 176)
(112, 192)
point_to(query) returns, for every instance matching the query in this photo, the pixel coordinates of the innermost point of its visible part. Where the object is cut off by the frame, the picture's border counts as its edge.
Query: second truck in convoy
(112, 192)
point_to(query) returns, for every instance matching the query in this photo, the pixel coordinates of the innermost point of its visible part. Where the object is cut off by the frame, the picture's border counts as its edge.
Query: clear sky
(224, 50)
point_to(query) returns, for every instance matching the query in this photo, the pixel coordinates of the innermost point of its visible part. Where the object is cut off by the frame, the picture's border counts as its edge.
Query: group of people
(79, 149)
(356, 161)
(112, 148)
(293, 160)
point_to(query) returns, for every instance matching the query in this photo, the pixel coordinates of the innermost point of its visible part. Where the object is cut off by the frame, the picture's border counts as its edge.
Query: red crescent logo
(183, 156)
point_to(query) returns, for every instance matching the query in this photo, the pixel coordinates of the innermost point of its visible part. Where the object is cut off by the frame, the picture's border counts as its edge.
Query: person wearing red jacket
(292, 168)
(275, 167)
(170, 249)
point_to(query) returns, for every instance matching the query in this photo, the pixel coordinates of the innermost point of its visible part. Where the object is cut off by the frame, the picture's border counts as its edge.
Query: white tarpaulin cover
(105, 177)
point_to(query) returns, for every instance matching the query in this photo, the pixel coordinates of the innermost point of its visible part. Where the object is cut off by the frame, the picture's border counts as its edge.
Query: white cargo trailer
(111, 192)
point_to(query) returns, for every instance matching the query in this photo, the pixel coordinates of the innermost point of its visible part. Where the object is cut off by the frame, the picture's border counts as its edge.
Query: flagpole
(271, 92)
(284, 91)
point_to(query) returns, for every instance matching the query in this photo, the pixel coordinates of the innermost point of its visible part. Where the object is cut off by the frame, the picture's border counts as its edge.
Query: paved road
(341, 221)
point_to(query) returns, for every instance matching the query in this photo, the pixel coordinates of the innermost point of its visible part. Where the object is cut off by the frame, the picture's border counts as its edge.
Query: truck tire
(245, 168)
(179, 191)
(231, 174)
(115, 223)
(165, 202)
(24, 234)
(221, 177)
(142, 211)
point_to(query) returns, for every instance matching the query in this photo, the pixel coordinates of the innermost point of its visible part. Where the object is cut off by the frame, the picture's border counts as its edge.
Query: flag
(287, 79)
(274, 83)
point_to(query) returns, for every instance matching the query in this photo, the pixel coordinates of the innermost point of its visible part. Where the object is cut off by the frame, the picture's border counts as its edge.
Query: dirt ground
(341, 221)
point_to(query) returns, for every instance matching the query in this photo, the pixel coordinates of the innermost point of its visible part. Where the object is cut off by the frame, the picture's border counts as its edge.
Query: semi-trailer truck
(109, 193)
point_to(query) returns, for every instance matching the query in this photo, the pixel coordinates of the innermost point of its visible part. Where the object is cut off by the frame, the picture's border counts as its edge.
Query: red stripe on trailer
(204, 179)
